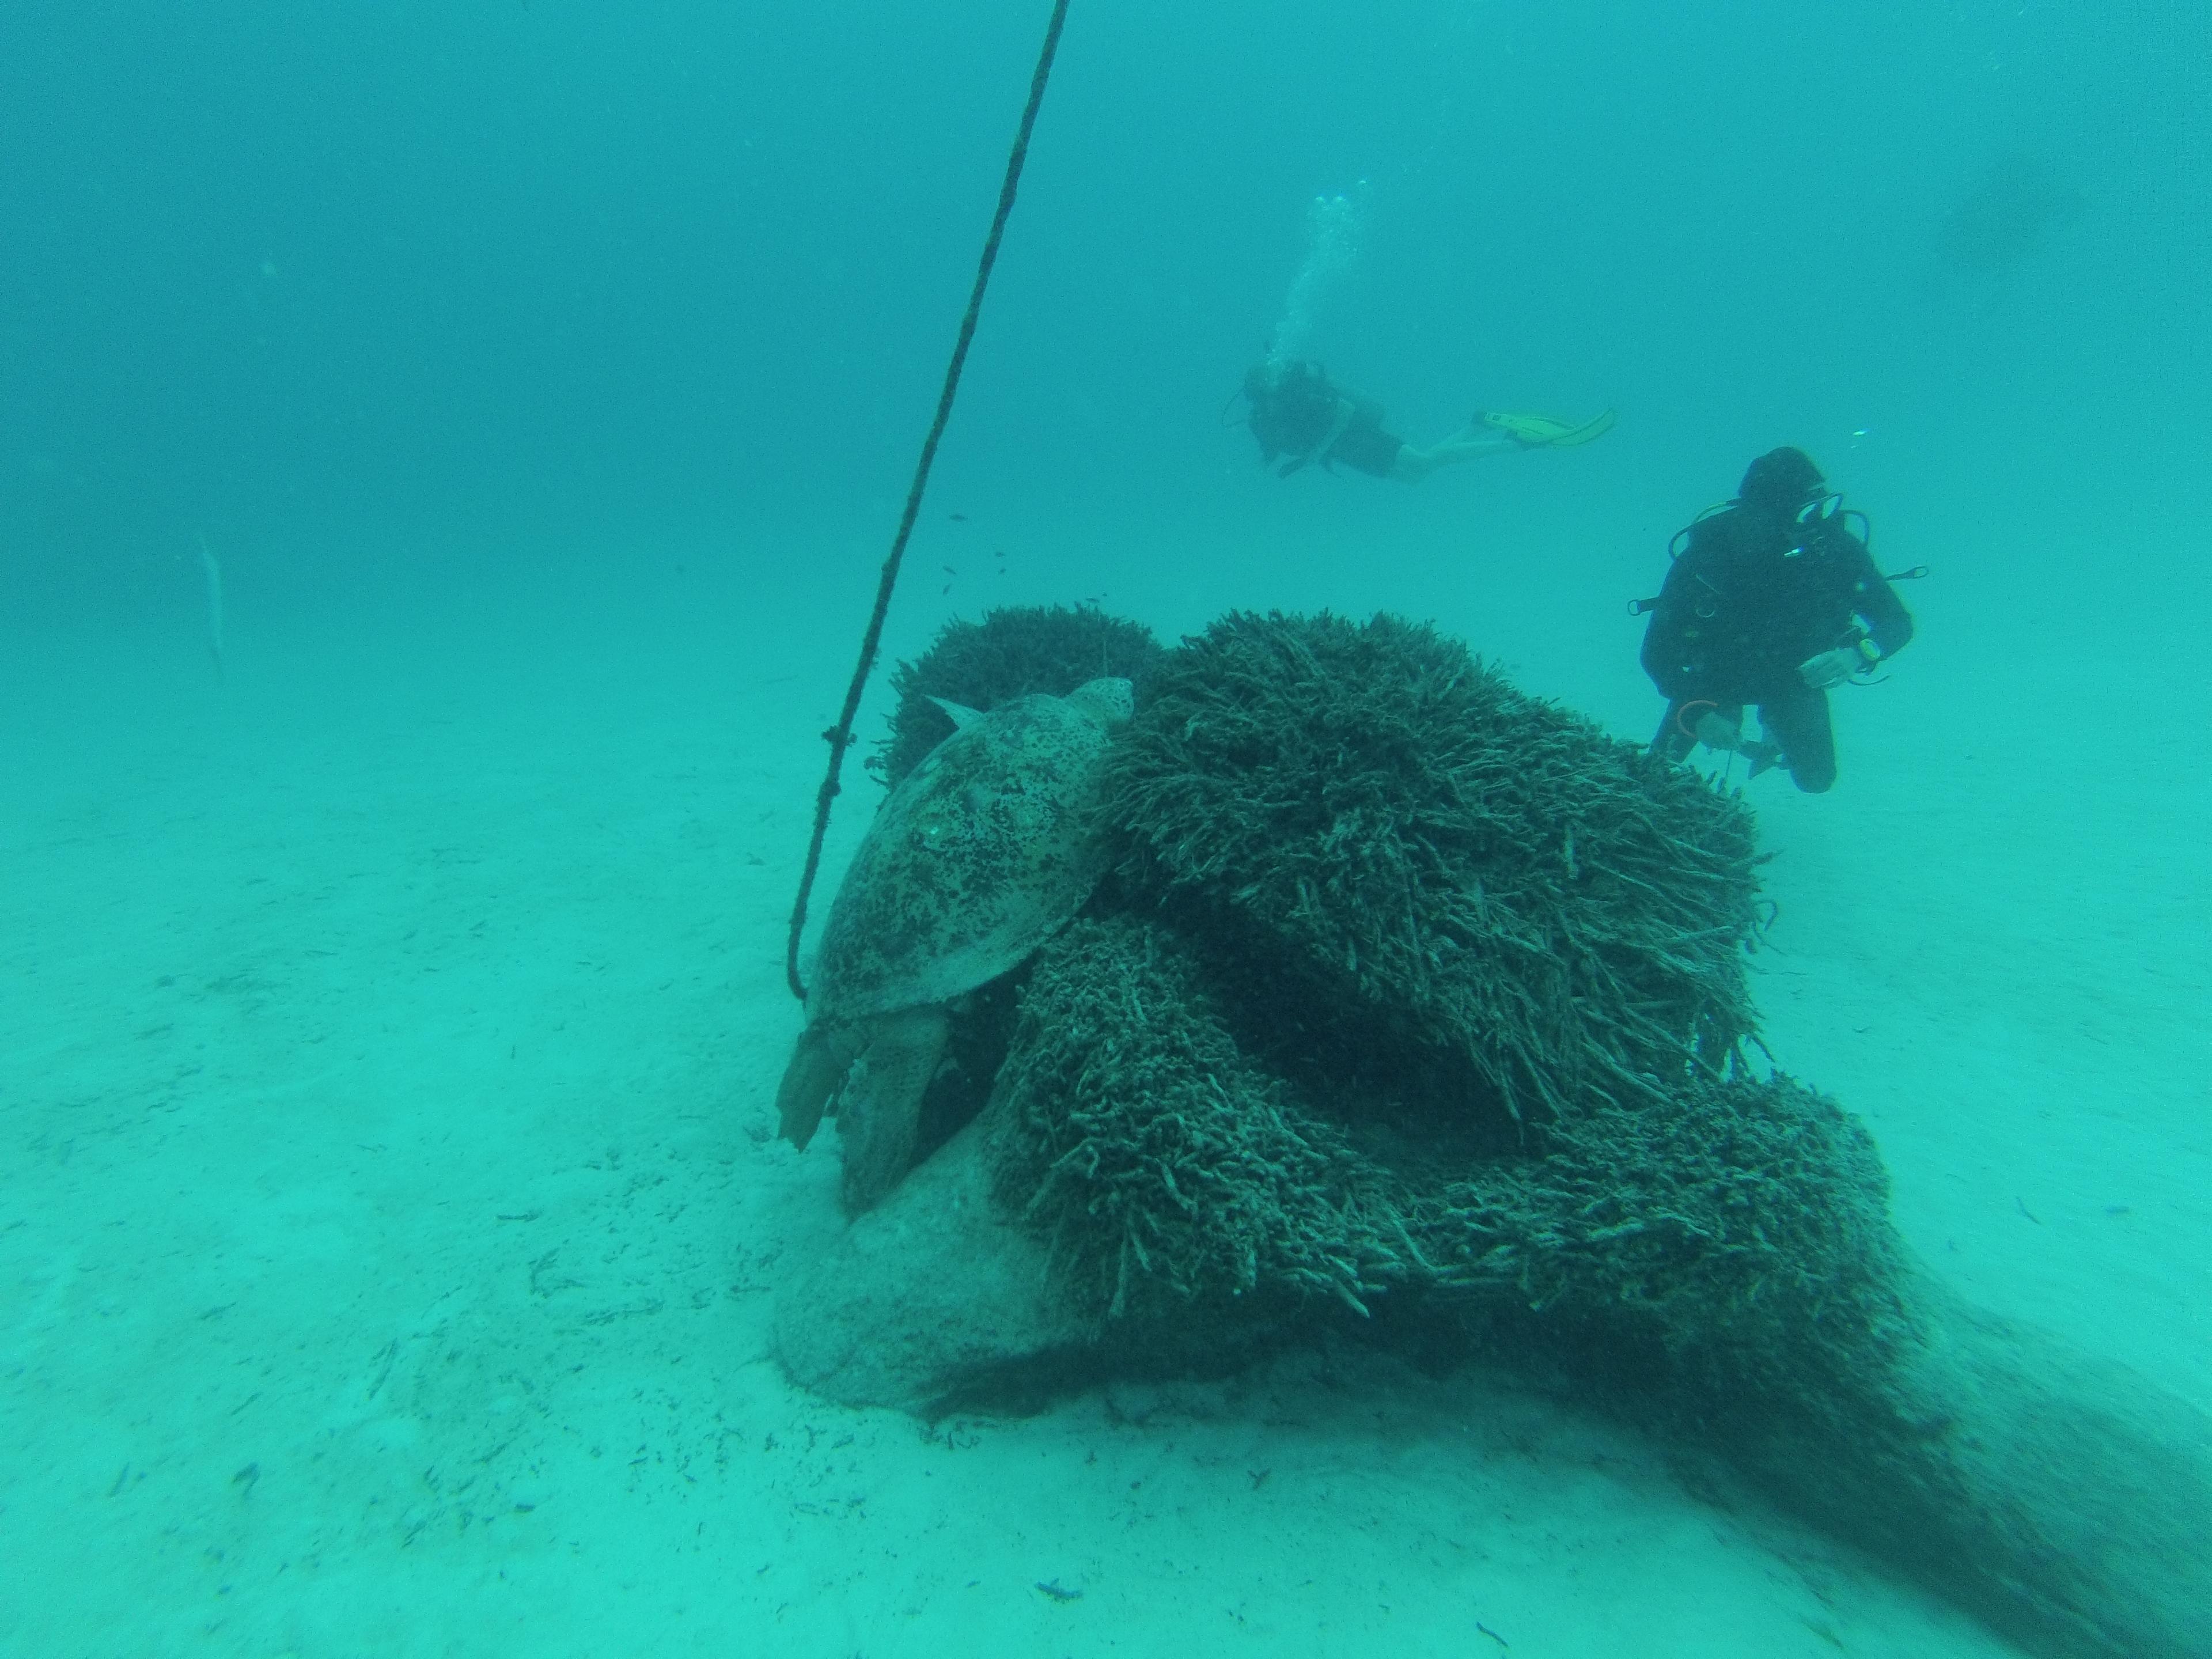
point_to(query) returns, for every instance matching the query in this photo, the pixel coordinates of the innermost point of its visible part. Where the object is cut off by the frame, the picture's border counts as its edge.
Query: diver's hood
(1784, 479)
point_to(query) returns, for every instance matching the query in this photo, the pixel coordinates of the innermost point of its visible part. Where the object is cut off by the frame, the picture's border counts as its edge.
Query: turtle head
(1107, 701)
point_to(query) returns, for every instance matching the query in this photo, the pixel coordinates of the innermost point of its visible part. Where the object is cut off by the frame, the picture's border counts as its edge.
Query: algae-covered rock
(1732, 1237)
(1430, 861)
(1417, 1004)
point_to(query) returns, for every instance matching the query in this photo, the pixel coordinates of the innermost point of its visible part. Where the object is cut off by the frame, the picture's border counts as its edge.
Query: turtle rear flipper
(879, 1112)
(817, 1066)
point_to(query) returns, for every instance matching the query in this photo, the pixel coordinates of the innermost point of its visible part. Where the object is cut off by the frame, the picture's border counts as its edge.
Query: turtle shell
(982, 853)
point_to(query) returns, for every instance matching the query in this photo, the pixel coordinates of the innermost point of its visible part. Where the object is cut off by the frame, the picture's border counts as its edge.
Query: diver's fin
(1544, 432)
(959, 713)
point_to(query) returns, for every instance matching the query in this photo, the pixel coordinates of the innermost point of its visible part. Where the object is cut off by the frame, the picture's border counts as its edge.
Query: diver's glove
(1831, 668)
(1717, 731)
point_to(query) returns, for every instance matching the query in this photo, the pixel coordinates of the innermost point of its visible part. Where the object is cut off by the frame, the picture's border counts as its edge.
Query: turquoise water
(390, 996)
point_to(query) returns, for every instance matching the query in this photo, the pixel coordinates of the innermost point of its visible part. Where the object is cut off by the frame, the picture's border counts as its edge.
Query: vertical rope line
(840, 735)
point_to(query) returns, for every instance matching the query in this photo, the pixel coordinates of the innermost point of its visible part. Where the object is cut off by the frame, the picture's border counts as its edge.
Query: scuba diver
(1772, 599)
(1300, 419)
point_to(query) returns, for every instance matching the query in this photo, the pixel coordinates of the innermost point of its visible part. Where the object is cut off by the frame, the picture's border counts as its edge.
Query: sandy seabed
(392, 1213)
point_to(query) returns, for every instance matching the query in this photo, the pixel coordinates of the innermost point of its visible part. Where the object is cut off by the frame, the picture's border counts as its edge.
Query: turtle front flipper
(880, 1113)
(817, 1066)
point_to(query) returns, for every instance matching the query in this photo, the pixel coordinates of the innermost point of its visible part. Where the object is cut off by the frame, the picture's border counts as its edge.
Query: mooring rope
(840, 735)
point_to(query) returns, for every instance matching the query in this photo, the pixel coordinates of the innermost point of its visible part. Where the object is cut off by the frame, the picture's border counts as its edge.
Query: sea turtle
(983, 852)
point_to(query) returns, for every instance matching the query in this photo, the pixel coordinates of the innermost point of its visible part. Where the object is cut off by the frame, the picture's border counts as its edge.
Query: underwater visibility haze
(446, 458)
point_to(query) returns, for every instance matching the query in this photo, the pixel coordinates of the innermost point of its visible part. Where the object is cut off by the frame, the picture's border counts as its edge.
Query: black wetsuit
(1754, 596)
(1300, 418)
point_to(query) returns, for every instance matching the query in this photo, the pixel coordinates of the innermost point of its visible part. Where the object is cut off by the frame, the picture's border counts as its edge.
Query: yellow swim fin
(1542, 432)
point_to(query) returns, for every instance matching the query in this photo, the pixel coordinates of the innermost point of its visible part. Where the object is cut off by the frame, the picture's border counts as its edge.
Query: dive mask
(1821, 509)
(1813, 519)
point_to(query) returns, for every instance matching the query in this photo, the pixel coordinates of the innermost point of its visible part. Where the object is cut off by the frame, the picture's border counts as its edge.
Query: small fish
(957, 517)
(1052, 1589)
